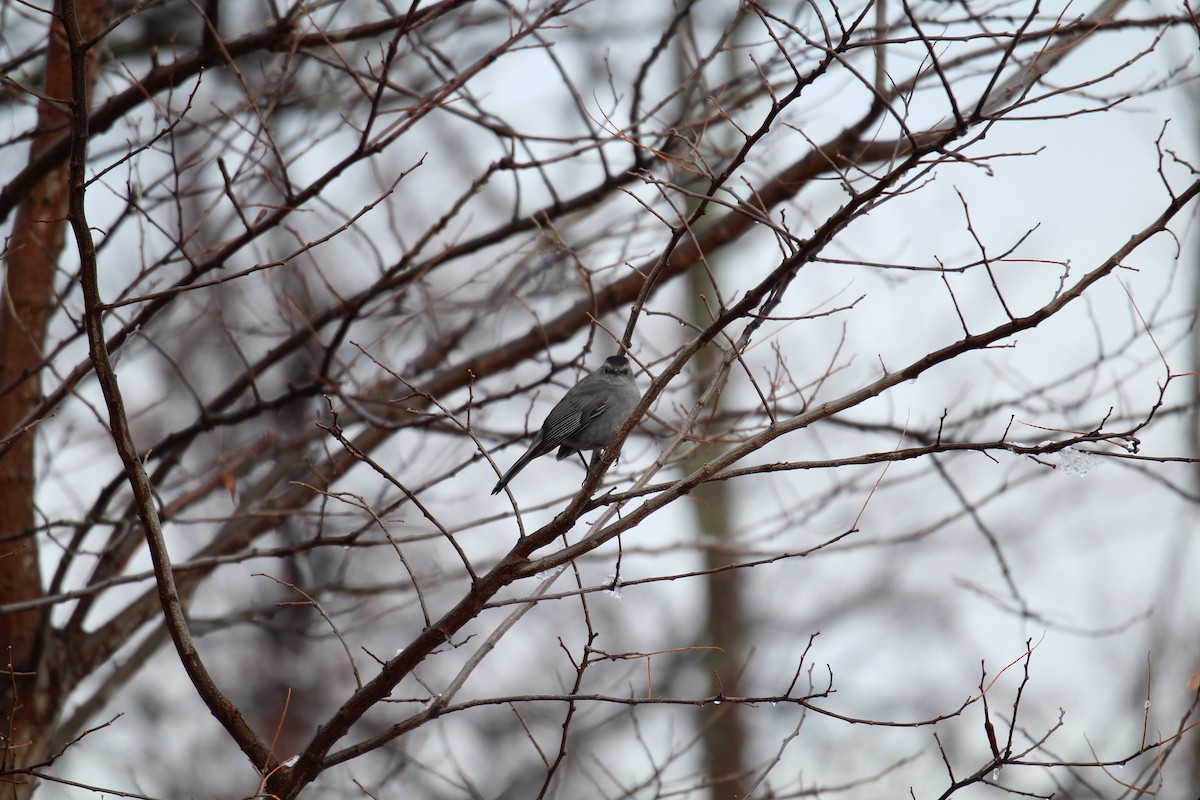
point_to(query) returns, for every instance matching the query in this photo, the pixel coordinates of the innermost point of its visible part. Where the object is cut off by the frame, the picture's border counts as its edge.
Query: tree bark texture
(27, 302)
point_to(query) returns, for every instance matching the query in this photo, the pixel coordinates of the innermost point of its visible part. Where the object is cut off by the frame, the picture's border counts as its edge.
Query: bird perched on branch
(587, 418)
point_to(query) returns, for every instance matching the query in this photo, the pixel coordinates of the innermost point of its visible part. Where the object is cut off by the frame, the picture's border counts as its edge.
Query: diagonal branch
(220, 706)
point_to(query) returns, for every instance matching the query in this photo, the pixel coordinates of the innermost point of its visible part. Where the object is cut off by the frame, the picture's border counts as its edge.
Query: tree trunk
(27, 300)
(725, 729)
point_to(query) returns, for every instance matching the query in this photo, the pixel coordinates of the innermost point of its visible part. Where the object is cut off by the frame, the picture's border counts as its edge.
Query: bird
(587, 417)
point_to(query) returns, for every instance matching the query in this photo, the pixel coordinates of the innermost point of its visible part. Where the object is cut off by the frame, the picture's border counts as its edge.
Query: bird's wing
(592, 410)
(566, 419)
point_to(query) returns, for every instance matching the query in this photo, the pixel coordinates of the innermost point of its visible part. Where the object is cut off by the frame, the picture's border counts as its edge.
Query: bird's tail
(530, 454)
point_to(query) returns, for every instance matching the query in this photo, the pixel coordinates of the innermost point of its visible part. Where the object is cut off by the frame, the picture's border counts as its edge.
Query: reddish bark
(27, 301)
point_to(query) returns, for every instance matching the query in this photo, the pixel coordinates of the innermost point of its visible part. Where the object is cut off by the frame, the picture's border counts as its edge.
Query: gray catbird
(586, 418)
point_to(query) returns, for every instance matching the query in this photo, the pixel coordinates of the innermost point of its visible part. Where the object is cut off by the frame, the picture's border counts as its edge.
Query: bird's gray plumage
(587, 418)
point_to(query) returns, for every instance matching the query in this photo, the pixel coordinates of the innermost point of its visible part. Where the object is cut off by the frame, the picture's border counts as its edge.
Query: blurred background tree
(909, 508)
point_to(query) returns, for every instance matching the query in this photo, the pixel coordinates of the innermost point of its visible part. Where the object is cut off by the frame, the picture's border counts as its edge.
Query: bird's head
(617, 366)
